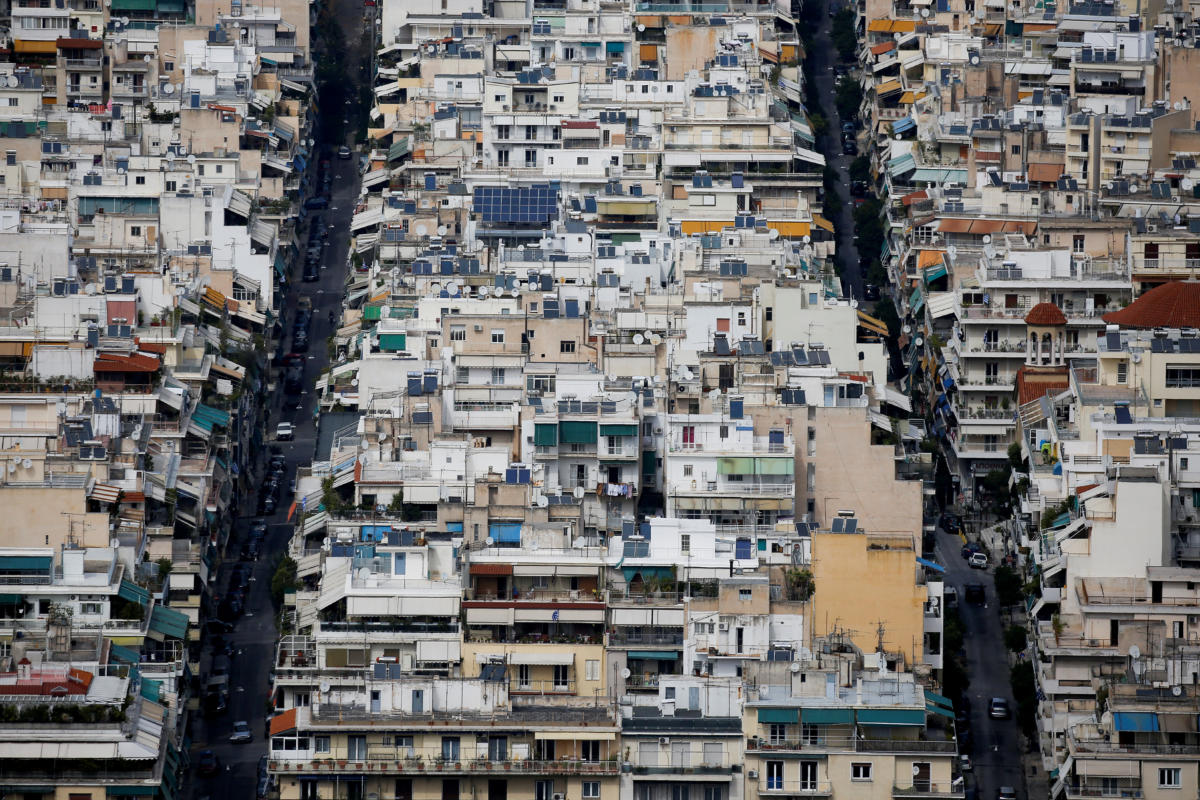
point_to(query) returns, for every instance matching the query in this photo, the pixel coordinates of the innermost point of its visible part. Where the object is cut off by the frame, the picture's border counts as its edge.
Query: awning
(779, 716)
(26, 563)
(888, 87)
(399, 149)
(941, 700)
(891, 716)
(169, 622)
(505, 532)
(37, 46)
(545, 434)
(654, 655)
(577, 432)
(393, 341)
(11, 599)
(614, 47)
(125, 654)
(903, 124)
(827, 716)
(938, 175)
(936, 709)
(901, 165)
(282, 723)
(872, 324)
(133, 592)
(1135, 721)
(533, 657)
(933, 565)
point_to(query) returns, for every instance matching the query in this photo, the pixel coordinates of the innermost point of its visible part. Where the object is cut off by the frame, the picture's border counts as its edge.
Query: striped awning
(105, 493)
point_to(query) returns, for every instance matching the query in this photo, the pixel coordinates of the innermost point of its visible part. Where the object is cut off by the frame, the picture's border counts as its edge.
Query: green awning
(392, 341)
(372, 313)
(577, 432)
(649, 462)
(618, 430)
(11, 599)
(133, 5)
(134, 593)
(29, 563)
(780, 716)
(131, 791)
(545, 434)
(169, 622)
(655, 655)
(589, 44)
(935, 272)
(774, 466)
(735, 466)
(936, 709)
(827, 716)
(891, 716)
(647, 573)
(170, 6)
(151, 690)
(625, 238)
(128, 655)
(399, 149)
(934, 697)
(614, 47)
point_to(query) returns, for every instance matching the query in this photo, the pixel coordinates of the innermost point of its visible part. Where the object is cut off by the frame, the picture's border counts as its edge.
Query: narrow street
(254, 634)
(996, 743)
(824, 59)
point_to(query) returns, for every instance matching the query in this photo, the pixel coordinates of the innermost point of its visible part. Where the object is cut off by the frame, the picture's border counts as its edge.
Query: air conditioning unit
(724, 626)
(664, 740)
(479, 329)
(559, 796)
(752, 774)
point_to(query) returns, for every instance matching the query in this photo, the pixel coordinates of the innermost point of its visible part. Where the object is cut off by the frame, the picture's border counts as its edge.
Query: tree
(848, 98)
(885, 312)
(283, 580)
(818, 123)
(1015, 638)
(165, 565)
(844, 35)
(1009, 588)
(868, 228)
(860, 169)
(1025, 691)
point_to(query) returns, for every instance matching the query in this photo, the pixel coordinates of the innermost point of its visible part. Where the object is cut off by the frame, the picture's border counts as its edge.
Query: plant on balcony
(801, 584)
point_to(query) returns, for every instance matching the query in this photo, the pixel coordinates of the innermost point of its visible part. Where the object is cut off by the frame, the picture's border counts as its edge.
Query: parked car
(950, 523)
(316, 203)
(207, 763)
(970, 548)
(241, 733)
(977, 561)
(267, 505)
(285, 432)
(1006, 793)
(964, 762)
(974, 593)
(849, 147)
(998, 708)
(343, 152)
(870, 292)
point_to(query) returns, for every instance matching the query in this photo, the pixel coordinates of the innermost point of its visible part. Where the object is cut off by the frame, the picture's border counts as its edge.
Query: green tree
(1009, 589)
(860, 169)
(844, 34)
(818, 123)
(283, 580)
(1015, 638)
(848, 97)
(1025, 691)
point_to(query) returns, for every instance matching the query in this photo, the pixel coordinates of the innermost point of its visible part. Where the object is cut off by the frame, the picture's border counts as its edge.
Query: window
(741, 319)
(1170, 777)
(498, 375)
(591, 789)
(140, 180)
(543, 790)
(400, 561)
(685, 542)
(1077, 243)
(566, 346)
(768, 314)
(745, 595)
(458, 333)
(322, 744)
(1122, 372)
(497, 336)
(135, 230)
(668, 693)
(724, 431)
(462, 375)
(449, 788)
(777, 734)
(775, 775)
(91, 608)
(591, 669)
(860, 771)
(10, 158)
(450, 748)
(1016, 149)
(590, 750)
(561, 682)
(308, 790)
(531, 133)
(1182, 377)
(581, 161)
(170, 186)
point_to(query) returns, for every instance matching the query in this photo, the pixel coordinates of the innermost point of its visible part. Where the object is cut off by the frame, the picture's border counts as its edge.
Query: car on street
(267, 505)
(207, 763)
(849, 147)
(964, 762)
(241, 733)
(343, 152)
(1006, 793)
(998, 708)
(977, 561)
(969, 549)
(950, 523)
(285, 432)
(974, 594)
(316, 203)
(252, 551)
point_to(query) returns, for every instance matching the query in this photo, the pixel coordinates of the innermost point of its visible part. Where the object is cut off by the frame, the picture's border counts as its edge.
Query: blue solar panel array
(532, 205)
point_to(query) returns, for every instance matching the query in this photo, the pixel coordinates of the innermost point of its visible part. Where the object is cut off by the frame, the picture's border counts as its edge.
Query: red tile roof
(580, 124)
(138, 362)
(1172, 305)
(1035, 382)
(1045, 314)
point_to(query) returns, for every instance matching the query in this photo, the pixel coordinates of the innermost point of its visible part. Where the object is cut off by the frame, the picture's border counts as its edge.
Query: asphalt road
(996, 744)
(824, 58)
(255, 634)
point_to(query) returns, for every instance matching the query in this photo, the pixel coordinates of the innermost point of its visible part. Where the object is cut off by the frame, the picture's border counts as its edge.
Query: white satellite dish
(27, 464)
(542, 501)
(422, 230)
(806, 239)
(146, 58)
(924, 13)
(483, 291)
(773, 234)
(169, 89)
(919, 341)
(1135, 651)
(853, 303)
(435, 286)
(441, 230)
(577, 492)
(625, 673)
(114, 543)
(489, 541)
(647, 334)
(656, 340)
(795, 667)
(641, 28)
(325, 686)
(907, 329)
(124, 20)
(364, 573)
(1176, 690)
(191, 159)
(987, 238)
(638, 339)
(12, 81)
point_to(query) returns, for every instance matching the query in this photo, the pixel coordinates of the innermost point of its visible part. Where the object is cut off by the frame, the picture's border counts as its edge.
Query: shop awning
(827, 716)
(1135, 721)
(779, 716)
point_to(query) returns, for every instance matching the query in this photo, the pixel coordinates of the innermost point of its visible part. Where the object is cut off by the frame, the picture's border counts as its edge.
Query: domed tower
(1045, 335)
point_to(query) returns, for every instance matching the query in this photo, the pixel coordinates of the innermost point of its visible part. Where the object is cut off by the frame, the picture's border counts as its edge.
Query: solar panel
(528, 205)
(851, 525)
(1113, 341)
(838, 525)
(1122, 414)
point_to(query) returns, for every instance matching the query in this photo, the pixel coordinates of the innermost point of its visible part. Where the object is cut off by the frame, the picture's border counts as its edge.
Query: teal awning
(393, 341)
(649, 462)
(655, 655)
(131, 791)
(589, 44)
(933, 708)
(917, 300)
(827, 716)
(614, 47)
(151, 690)
(399, 149)
(169, 622)
(133, 5)
(618, 430)
(27, 563)
(577, 432)
(779, 716)
(934, 697)
(891, 716)
(11, 599)
(125, 654)
(938, 175)
(1135, 721)
(901, 165)
(935, 272)
(281, 264)
(646, 572)
(206, 417)
(545, 434)
(134, 593)
(170, 6)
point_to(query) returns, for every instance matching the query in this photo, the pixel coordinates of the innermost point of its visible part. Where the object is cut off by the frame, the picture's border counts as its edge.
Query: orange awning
(34, 46)
(1045, 173)
(887, 87)
(954, 225)
(880, 49)
(281, 723)
(929, 258)
(821, 222)
(648, 52)
(891, 26)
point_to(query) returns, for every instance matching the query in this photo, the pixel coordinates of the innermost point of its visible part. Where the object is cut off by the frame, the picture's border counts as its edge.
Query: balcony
(620, 638)
(485, 416)
(852, 744)
(778, 786)
(1105, 787)
(397, 761)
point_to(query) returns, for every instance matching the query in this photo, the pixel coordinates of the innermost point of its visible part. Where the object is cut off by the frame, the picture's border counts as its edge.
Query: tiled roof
(137, 362)
(1035, 382)
(1045, 314)
(1172, 305)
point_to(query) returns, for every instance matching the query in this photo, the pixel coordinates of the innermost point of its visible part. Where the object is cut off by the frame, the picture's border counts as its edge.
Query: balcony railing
(397, 761)
(773, 786)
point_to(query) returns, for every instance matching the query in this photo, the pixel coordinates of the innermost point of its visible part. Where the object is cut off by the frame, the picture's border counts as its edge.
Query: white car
(285, 432)
(241, 733)
(978, 561)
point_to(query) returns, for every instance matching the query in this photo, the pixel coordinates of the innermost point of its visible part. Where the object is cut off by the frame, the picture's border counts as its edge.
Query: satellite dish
(897, 36)
(422, 230)
(975, 60)
(483, 291)
(952, 250)
(795, 667)
(638, 339)
(656, 340)
(27, 464)
(853, 303)
(641, 28)
(987, 238)
(169, 89)
(924, 13)
(1135, 651)
(364, 573)
(577, 492)
(625, 673)
(435, 286)
(920, 340)
(806, 239)
(146, 58)
(714, 394)
(489, 541)
(899, 137)
(191, 159)
(325, 686)
(1177, 690)
(12, 81)
(773, 234)
(542, 501)
(907, 329)
(441, 230)
(647, 334)
(124, 20)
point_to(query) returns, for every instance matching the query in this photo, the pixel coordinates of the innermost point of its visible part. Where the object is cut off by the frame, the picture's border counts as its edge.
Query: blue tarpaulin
(505, 532)
(903, 124)
(931, 564)
(1136, 721)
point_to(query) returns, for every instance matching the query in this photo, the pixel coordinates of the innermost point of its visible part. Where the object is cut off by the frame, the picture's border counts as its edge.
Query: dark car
(267, 505)
(230, 608)
(974, 593)
(870, 291)
(311, 274)
(315, 203)
(300, 343)
(216, 626)
(849, 147)
(998, 708)
(969, 549)
(859, 188)
(950, 523)
(253, 550)
(207, 763)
